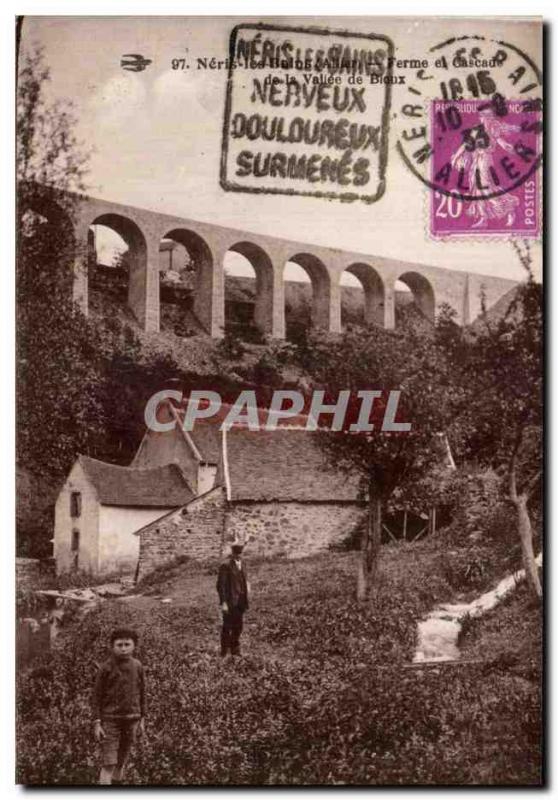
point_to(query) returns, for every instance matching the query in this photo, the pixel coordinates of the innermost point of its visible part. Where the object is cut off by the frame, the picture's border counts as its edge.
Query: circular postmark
(470, 125)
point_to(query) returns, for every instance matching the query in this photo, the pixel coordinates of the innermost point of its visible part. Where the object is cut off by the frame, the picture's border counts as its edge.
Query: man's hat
(236, 544)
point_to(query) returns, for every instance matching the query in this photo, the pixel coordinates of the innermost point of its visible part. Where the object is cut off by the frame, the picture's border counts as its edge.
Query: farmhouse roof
(207, 438)
(162, 487)
(284, 465)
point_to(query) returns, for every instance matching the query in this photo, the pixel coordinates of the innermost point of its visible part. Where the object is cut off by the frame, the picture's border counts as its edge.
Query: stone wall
(292, 530)
(195, 530)
(202, 529)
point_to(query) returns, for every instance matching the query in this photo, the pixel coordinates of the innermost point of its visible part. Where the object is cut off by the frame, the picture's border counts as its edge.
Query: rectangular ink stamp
(484, 167)
(307, 112)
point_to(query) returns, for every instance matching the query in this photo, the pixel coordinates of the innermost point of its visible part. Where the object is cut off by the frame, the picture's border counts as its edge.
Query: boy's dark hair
(124, 633)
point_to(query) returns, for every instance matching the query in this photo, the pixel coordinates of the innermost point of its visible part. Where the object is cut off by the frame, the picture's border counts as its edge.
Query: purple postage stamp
(483, 162)
(469, 127)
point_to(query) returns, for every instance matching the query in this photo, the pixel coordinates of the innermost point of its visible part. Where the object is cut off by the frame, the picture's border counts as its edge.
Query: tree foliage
(411, 360)
(505, 394)
(479, 390)
(49, 152)
(82, 383)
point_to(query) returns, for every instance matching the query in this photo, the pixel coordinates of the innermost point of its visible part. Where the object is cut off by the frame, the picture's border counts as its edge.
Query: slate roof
(284, 465)
(162, 487)
(207, 438)
(206, 433)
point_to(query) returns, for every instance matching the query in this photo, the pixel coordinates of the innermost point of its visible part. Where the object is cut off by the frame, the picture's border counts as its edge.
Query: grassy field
(321, 695)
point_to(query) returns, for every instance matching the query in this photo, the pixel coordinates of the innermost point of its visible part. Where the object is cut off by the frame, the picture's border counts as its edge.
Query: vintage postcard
(279, 401)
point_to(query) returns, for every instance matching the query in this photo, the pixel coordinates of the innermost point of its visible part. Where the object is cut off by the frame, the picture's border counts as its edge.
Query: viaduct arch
(143, 230)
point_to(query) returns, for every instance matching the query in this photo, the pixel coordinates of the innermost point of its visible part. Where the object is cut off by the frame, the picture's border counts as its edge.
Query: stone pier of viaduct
(208, 244)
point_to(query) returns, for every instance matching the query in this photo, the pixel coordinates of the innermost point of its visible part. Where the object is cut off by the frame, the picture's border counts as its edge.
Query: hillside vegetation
(322, 694)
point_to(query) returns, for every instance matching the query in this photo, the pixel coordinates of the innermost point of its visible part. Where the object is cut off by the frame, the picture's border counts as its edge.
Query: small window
(75, 504)
(75, 540)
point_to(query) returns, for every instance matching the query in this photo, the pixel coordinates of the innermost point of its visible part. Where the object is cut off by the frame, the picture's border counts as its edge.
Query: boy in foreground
(118, 705)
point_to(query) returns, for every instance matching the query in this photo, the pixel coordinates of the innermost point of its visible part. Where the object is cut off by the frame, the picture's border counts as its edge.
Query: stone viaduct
(208, 243)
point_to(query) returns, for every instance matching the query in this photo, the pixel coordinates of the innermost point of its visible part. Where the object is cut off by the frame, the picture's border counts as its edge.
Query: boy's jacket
(119, 691)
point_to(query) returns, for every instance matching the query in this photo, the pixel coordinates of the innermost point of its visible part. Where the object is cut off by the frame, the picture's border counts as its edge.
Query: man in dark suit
(232, 587)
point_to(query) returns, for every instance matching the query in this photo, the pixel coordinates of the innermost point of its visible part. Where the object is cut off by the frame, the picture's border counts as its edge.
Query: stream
(438, 634)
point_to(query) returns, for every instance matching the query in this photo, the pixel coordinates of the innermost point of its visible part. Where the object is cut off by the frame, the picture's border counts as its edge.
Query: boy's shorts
(119, 738)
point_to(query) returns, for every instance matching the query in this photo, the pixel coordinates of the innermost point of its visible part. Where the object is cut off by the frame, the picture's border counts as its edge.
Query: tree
(80, 381)
(505, 375)
(55, 376)
(410, 360)
(48, 152)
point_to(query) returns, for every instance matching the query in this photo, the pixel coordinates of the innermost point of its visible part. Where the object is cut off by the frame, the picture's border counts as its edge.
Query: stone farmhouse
(271, 489)
(100, 507)
(190, 493)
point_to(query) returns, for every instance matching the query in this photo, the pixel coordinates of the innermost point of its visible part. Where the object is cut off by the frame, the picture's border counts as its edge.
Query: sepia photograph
(279, 401)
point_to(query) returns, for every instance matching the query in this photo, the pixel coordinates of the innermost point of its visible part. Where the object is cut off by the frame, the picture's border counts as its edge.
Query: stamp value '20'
(482, 151)
(470, 128)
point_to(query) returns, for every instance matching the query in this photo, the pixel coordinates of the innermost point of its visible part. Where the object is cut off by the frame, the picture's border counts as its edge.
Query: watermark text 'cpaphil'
(363, 411)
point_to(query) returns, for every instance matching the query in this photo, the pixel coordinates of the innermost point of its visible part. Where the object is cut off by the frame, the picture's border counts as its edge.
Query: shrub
(230, 346)
(322, 695)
